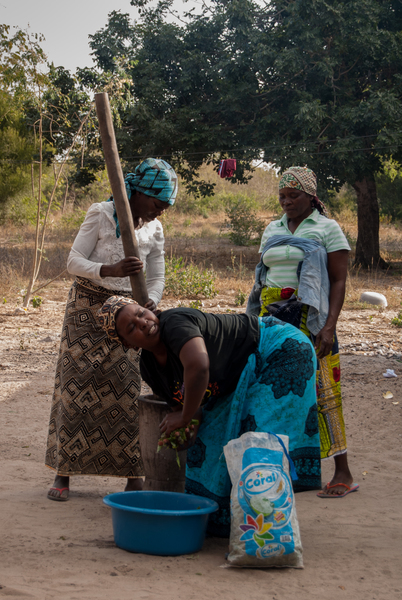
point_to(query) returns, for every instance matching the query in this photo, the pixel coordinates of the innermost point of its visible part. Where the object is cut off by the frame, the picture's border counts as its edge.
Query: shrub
(22, 211)
(188, 280)
(72, 220)
(397, 321)
(37, 301)
(341, 205)
(187, 203)
(240, 298)
(389, 190)
(272, 205)
(196, 304)
(244, 226)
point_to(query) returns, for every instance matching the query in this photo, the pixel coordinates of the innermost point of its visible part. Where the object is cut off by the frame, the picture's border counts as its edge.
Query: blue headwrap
(153, 177)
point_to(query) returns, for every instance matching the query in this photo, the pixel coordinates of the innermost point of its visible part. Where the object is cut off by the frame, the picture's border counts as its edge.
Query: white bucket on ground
(374, 298)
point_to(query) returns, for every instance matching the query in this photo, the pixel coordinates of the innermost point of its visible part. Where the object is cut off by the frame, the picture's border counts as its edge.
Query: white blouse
(96, 244)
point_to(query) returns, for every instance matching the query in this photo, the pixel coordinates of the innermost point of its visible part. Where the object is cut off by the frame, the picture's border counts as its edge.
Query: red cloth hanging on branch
(227, 167)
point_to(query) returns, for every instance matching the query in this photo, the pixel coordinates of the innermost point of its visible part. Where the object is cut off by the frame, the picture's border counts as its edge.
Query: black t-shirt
(229, 339)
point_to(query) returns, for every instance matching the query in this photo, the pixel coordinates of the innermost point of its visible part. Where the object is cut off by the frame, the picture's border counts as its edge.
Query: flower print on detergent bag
(264, 529)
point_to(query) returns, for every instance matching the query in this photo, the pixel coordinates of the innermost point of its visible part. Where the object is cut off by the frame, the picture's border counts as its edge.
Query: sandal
(349, 490)
(59, 498)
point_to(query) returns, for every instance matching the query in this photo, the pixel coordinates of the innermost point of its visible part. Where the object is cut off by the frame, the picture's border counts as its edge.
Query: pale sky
(66, 24)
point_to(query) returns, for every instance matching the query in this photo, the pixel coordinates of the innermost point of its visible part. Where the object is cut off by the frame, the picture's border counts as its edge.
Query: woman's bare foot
(342, 475)
(134, 485)
(60, 489)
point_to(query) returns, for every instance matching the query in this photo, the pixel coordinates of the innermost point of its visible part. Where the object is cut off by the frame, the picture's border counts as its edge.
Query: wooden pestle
(116, 179)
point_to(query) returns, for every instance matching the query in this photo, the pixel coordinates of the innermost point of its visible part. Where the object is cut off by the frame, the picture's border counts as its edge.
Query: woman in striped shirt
(301, 227)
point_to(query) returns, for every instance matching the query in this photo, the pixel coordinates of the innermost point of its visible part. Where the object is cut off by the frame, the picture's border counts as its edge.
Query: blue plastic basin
(163, 523)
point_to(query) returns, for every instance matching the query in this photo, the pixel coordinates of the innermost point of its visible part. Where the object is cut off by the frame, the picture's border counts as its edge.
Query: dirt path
(66, 551)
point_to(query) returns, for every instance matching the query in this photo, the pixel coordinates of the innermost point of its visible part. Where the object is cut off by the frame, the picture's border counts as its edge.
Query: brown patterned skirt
(93, 427)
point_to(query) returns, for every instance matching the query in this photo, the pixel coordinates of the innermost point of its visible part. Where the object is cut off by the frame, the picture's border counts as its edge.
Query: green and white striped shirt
(283, 260)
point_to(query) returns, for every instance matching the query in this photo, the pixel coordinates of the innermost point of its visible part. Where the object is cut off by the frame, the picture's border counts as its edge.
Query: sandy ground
(352, 546)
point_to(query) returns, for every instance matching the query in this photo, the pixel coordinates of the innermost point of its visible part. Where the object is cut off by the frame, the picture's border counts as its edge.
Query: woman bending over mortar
(234, 373)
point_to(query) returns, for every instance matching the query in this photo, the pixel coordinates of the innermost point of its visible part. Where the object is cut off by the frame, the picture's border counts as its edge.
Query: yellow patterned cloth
(329, 396)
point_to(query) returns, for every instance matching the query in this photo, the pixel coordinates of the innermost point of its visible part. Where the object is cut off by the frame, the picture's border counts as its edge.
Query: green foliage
(196, 304)
(21, 211)
(21, 76)
(397, 321)
(179, 89)
(244, 226)
(187, 280)
(72, 220)
(109, 43)
(96, 191)
(240, 298)
(187, 203)
(37, 301)
(65, 103)
(16, 149)
(20, 56)
(264, 82)
(341, 203)
(248, 79)
(389, 189)
(236, 79)
(262, 187)
(272, 204)
(177, 438)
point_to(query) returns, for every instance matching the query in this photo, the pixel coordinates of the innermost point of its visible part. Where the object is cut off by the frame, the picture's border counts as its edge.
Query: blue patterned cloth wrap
(275, 393)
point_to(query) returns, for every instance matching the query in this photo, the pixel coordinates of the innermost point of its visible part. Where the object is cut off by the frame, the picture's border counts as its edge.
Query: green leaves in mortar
(177, 438)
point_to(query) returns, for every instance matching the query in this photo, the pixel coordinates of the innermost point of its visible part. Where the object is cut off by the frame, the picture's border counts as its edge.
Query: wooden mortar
(161, 469)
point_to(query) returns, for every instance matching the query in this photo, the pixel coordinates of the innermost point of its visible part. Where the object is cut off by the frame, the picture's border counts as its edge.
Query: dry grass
(16, 256)
(374, 281)
(202, 241)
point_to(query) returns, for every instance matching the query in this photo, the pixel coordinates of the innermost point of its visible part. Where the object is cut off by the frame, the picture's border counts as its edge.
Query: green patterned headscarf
(153, 177)
(299, 178)
(107, 315)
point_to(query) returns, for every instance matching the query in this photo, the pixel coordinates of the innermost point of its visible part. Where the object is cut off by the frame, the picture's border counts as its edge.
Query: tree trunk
(368, 225)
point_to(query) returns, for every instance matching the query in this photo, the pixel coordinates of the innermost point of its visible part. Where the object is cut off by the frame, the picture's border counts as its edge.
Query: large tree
(294, 81)
(183, 104)
(339, 104)
(16, 138)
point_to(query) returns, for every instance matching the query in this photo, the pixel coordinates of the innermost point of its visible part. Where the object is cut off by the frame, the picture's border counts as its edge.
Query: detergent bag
(264, 529)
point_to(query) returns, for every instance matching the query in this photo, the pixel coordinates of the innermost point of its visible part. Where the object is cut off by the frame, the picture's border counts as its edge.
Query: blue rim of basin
(213, 506)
